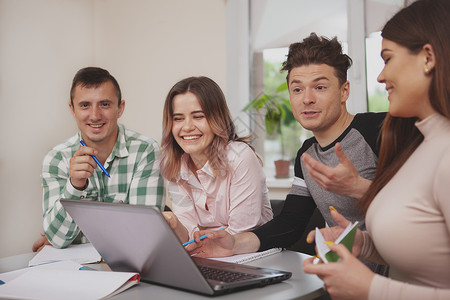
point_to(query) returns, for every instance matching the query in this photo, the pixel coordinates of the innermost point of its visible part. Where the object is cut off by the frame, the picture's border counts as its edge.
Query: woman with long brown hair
(215, 178)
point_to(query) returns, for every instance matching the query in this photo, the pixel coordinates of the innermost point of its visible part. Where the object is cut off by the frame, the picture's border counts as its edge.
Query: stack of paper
(81, 253)
(64, 280)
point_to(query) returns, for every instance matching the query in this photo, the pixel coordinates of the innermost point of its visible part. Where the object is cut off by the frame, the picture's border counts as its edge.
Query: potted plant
(278, 114)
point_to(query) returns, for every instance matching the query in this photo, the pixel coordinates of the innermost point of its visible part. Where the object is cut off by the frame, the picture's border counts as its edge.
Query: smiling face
(190, 128)
(406, 79)
(317, 100)
(96, 111)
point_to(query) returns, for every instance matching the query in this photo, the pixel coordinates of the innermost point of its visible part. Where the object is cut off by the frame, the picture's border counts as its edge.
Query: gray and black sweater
(360, 142)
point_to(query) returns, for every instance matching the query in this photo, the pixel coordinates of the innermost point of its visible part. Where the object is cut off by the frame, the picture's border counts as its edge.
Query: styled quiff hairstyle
(217, 114)
(318, 50)
(93, 77)
(422, 22)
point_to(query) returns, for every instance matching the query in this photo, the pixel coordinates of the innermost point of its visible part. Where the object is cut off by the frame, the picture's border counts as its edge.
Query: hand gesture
(217, 244)
(342, 179)
(347, 279)
(82, 166)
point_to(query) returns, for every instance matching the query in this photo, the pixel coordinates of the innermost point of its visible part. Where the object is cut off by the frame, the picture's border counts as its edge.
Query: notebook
(135, 238)
(248, 257)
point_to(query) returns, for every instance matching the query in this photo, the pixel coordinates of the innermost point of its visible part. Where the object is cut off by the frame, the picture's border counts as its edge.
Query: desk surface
(299, 286)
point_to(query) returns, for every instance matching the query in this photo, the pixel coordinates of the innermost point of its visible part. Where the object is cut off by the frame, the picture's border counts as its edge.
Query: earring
(427, 70)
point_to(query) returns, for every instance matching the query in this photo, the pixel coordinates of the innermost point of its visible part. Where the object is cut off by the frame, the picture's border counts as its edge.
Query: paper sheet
(81, 253)
(62, 265)
(63, 280)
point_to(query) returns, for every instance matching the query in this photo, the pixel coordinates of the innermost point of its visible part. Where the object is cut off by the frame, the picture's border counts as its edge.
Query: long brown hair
(214, 106)
(423, 22)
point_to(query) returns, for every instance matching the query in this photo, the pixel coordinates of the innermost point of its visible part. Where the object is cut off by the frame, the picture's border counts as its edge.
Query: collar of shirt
(120, 149)
(187, 175)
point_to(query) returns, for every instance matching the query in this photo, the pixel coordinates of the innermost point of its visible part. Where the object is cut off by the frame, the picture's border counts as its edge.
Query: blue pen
(202, 237)
(96, 160)
(87, 268)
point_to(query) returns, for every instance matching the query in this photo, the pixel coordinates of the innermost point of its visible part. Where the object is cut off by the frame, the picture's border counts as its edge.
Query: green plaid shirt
(135, 179)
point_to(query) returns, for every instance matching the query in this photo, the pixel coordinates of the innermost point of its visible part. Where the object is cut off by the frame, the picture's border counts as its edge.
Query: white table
(299, 286)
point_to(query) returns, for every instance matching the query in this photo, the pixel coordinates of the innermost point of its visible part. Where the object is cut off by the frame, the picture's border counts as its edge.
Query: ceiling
(277, 23)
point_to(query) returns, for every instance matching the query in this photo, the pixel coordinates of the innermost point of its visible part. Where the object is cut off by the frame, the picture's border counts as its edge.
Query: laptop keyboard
(224, 276)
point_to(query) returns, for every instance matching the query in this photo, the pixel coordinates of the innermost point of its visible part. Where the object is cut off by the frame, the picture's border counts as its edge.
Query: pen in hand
(96, 160)
(201, 238)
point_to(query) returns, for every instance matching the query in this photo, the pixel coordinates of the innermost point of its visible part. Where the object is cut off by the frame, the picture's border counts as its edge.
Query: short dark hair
(93, 77)
(318, 50)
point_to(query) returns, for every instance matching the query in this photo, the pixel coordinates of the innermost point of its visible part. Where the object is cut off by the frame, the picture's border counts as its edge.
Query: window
(274, 25)
(376, 92)
(285, 145)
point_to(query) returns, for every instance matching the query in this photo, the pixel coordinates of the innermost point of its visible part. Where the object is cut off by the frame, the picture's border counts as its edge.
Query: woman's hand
(216, 244)
(347, 279)
(179, 229)
(332, 233)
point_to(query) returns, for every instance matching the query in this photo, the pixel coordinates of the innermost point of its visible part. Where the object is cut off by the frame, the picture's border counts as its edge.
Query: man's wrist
(361, 188)
(82, 188)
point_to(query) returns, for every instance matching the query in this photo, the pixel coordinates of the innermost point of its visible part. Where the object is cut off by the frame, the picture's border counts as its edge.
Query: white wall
(146, 45)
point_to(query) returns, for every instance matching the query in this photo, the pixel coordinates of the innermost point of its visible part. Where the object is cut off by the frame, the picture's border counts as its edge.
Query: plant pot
(282, 168)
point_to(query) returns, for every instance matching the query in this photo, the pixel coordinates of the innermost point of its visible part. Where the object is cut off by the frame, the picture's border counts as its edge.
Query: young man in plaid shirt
(69, 171)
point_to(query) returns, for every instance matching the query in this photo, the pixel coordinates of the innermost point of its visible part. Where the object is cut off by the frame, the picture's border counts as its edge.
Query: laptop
(136, 238)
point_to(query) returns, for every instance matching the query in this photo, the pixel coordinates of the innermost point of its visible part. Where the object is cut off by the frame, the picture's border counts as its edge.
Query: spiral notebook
(248, 257)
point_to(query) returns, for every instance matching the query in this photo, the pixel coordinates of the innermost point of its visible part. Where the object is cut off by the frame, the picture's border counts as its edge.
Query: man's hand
(40, 243)
(342, 179)
(82, 166)
(179, 229)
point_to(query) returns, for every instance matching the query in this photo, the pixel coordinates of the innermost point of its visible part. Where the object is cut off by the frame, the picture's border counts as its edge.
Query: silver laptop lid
(136, 238)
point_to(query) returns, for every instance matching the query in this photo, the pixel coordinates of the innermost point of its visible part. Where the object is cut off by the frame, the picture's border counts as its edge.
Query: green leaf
(282, 87)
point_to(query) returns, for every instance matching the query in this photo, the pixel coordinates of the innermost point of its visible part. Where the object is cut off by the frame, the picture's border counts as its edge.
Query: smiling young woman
(215, 178)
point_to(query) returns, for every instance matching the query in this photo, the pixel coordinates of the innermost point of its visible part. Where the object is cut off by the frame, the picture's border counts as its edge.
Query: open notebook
(64, 280)
(248, 257)
(81, 253)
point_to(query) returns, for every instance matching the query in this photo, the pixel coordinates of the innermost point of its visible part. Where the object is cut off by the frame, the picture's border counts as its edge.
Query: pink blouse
(238, 202)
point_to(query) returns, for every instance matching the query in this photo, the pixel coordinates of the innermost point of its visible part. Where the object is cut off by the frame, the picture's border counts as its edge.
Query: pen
(96, 160)
(87, 268)
(202, 237)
